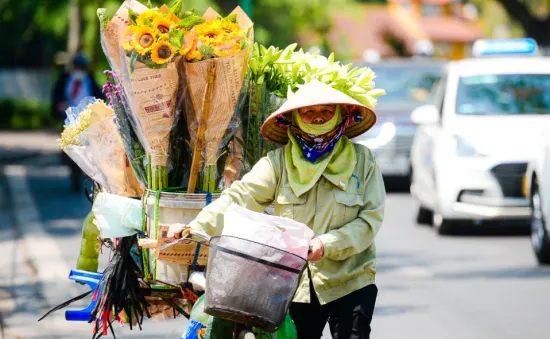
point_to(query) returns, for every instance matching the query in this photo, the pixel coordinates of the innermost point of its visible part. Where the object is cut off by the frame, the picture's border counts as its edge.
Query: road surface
(469, 286)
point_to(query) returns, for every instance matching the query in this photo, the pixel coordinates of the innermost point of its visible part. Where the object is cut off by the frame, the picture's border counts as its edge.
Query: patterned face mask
(316, 146)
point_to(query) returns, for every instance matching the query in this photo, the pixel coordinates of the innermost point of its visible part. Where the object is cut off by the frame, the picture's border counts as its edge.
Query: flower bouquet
(213, 74)
(144, 46)
(91, 140)
(273, 74)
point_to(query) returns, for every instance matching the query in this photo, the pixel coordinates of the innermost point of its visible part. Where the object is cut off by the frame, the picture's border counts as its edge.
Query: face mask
(78, 74)
(317, 129)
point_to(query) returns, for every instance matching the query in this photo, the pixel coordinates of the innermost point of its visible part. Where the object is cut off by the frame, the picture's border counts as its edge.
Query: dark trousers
(348, 317)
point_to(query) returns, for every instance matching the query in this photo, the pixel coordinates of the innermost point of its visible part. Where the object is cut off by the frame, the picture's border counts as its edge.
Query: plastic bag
(282, 233)
(88, 260)
(117, 216)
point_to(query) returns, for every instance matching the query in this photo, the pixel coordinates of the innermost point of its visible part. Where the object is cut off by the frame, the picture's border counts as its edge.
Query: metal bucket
(172, 266)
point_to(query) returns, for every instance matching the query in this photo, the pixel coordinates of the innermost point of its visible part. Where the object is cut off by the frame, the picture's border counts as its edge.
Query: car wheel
(441, 225)
(423, 215)
(540, 238)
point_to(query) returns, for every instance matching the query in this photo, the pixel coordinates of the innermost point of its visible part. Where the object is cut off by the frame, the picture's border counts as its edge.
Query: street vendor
(319, 178)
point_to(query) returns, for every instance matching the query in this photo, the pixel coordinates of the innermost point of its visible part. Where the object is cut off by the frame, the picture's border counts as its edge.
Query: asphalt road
(469, 286)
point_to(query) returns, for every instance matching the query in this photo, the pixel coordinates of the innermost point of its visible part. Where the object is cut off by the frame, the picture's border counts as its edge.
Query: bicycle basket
(250, 283)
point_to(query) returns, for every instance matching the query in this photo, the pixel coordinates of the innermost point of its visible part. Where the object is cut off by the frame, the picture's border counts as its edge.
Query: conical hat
(318, 93)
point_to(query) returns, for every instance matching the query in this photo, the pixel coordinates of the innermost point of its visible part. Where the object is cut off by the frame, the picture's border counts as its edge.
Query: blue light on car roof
(525, 46)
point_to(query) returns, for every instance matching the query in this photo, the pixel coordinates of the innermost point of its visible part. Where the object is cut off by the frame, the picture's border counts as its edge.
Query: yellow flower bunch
(157, 36)
(217, 38)
(151, 37)
(70, 134)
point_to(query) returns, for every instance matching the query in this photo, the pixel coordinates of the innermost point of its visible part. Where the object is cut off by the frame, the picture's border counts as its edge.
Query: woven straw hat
(318, 93)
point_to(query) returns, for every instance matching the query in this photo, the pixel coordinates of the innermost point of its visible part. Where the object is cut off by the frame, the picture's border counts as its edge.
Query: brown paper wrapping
(107, 147)
(182, 254)
(112, 34)
(229, 79)
(153, 98)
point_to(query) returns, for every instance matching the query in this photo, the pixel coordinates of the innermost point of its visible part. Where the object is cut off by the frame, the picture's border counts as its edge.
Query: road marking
(39, 248)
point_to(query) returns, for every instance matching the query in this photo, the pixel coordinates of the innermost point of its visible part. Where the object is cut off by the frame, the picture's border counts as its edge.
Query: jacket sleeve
(256, 191)
(358, 235)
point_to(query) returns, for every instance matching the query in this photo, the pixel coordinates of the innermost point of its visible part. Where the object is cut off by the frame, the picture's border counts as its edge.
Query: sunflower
(230, 48)
(163, 25)
(189, 43)
(195, 55)
(127, 42)
(147, 17)
(230, 27)
(143, 39)
(209, 30)
(162, 52)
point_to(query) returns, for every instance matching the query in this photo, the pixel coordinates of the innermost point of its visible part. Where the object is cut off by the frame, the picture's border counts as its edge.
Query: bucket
(172, 266)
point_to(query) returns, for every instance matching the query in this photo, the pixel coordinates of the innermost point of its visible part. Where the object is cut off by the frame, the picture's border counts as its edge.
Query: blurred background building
(46, 34)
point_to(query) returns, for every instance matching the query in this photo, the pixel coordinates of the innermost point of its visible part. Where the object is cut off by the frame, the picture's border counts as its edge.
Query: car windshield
(406, 83)
(504, 94)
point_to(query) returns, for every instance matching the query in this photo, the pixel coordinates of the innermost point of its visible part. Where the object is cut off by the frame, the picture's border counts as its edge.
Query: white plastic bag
(282, 233)
(117, 216)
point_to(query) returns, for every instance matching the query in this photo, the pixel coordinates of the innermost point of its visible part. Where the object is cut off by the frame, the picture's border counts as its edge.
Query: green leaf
(151, 64)
(207, 51)
(176, 38)
(177, 8)
(191, 21)
(103, 18)
(232, 18)
(133, 59)
(132, 16)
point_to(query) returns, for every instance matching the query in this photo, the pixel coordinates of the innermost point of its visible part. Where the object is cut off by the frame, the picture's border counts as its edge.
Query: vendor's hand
(175, 231)
(316, 250)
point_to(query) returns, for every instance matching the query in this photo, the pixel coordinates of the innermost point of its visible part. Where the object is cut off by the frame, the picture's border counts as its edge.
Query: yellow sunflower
(230, 27)
(143, 39)
(162, 52)
(230, 48)
(194, 55)
(127, 36)
(162, 24)
(209, 30)
(189, 43)
(150, 14)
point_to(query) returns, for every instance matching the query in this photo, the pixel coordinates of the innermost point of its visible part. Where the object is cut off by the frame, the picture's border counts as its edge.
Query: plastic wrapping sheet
(151, 104)
(108, 152)
(260, 104)
(132, 145)
(82, 156)
(215, 97)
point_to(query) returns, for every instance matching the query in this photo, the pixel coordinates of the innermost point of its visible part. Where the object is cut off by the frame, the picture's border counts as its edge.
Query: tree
(523, 12)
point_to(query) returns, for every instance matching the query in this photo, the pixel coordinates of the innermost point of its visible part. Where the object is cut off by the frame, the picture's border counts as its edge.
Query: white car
(472, 147)
(537, 189)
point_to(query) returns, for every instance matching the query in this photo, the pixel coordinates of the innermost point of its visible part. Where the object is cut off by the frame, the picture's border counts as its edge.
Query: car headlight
(466, 149)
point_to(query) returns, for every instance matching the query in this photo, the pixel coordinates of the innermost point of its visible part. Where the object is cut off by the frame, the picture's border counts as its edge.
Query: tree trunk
(534, 27)
(73, 41)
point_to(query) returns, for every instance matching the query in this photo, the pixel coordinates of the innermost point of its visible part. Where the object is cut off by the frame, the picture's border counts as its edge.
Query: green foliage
(190, 21)
(25, 115)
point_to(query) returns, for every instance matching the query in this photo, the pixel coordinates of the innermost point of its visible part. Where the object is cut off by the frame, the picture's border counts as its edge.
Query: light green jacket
(346, 221)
